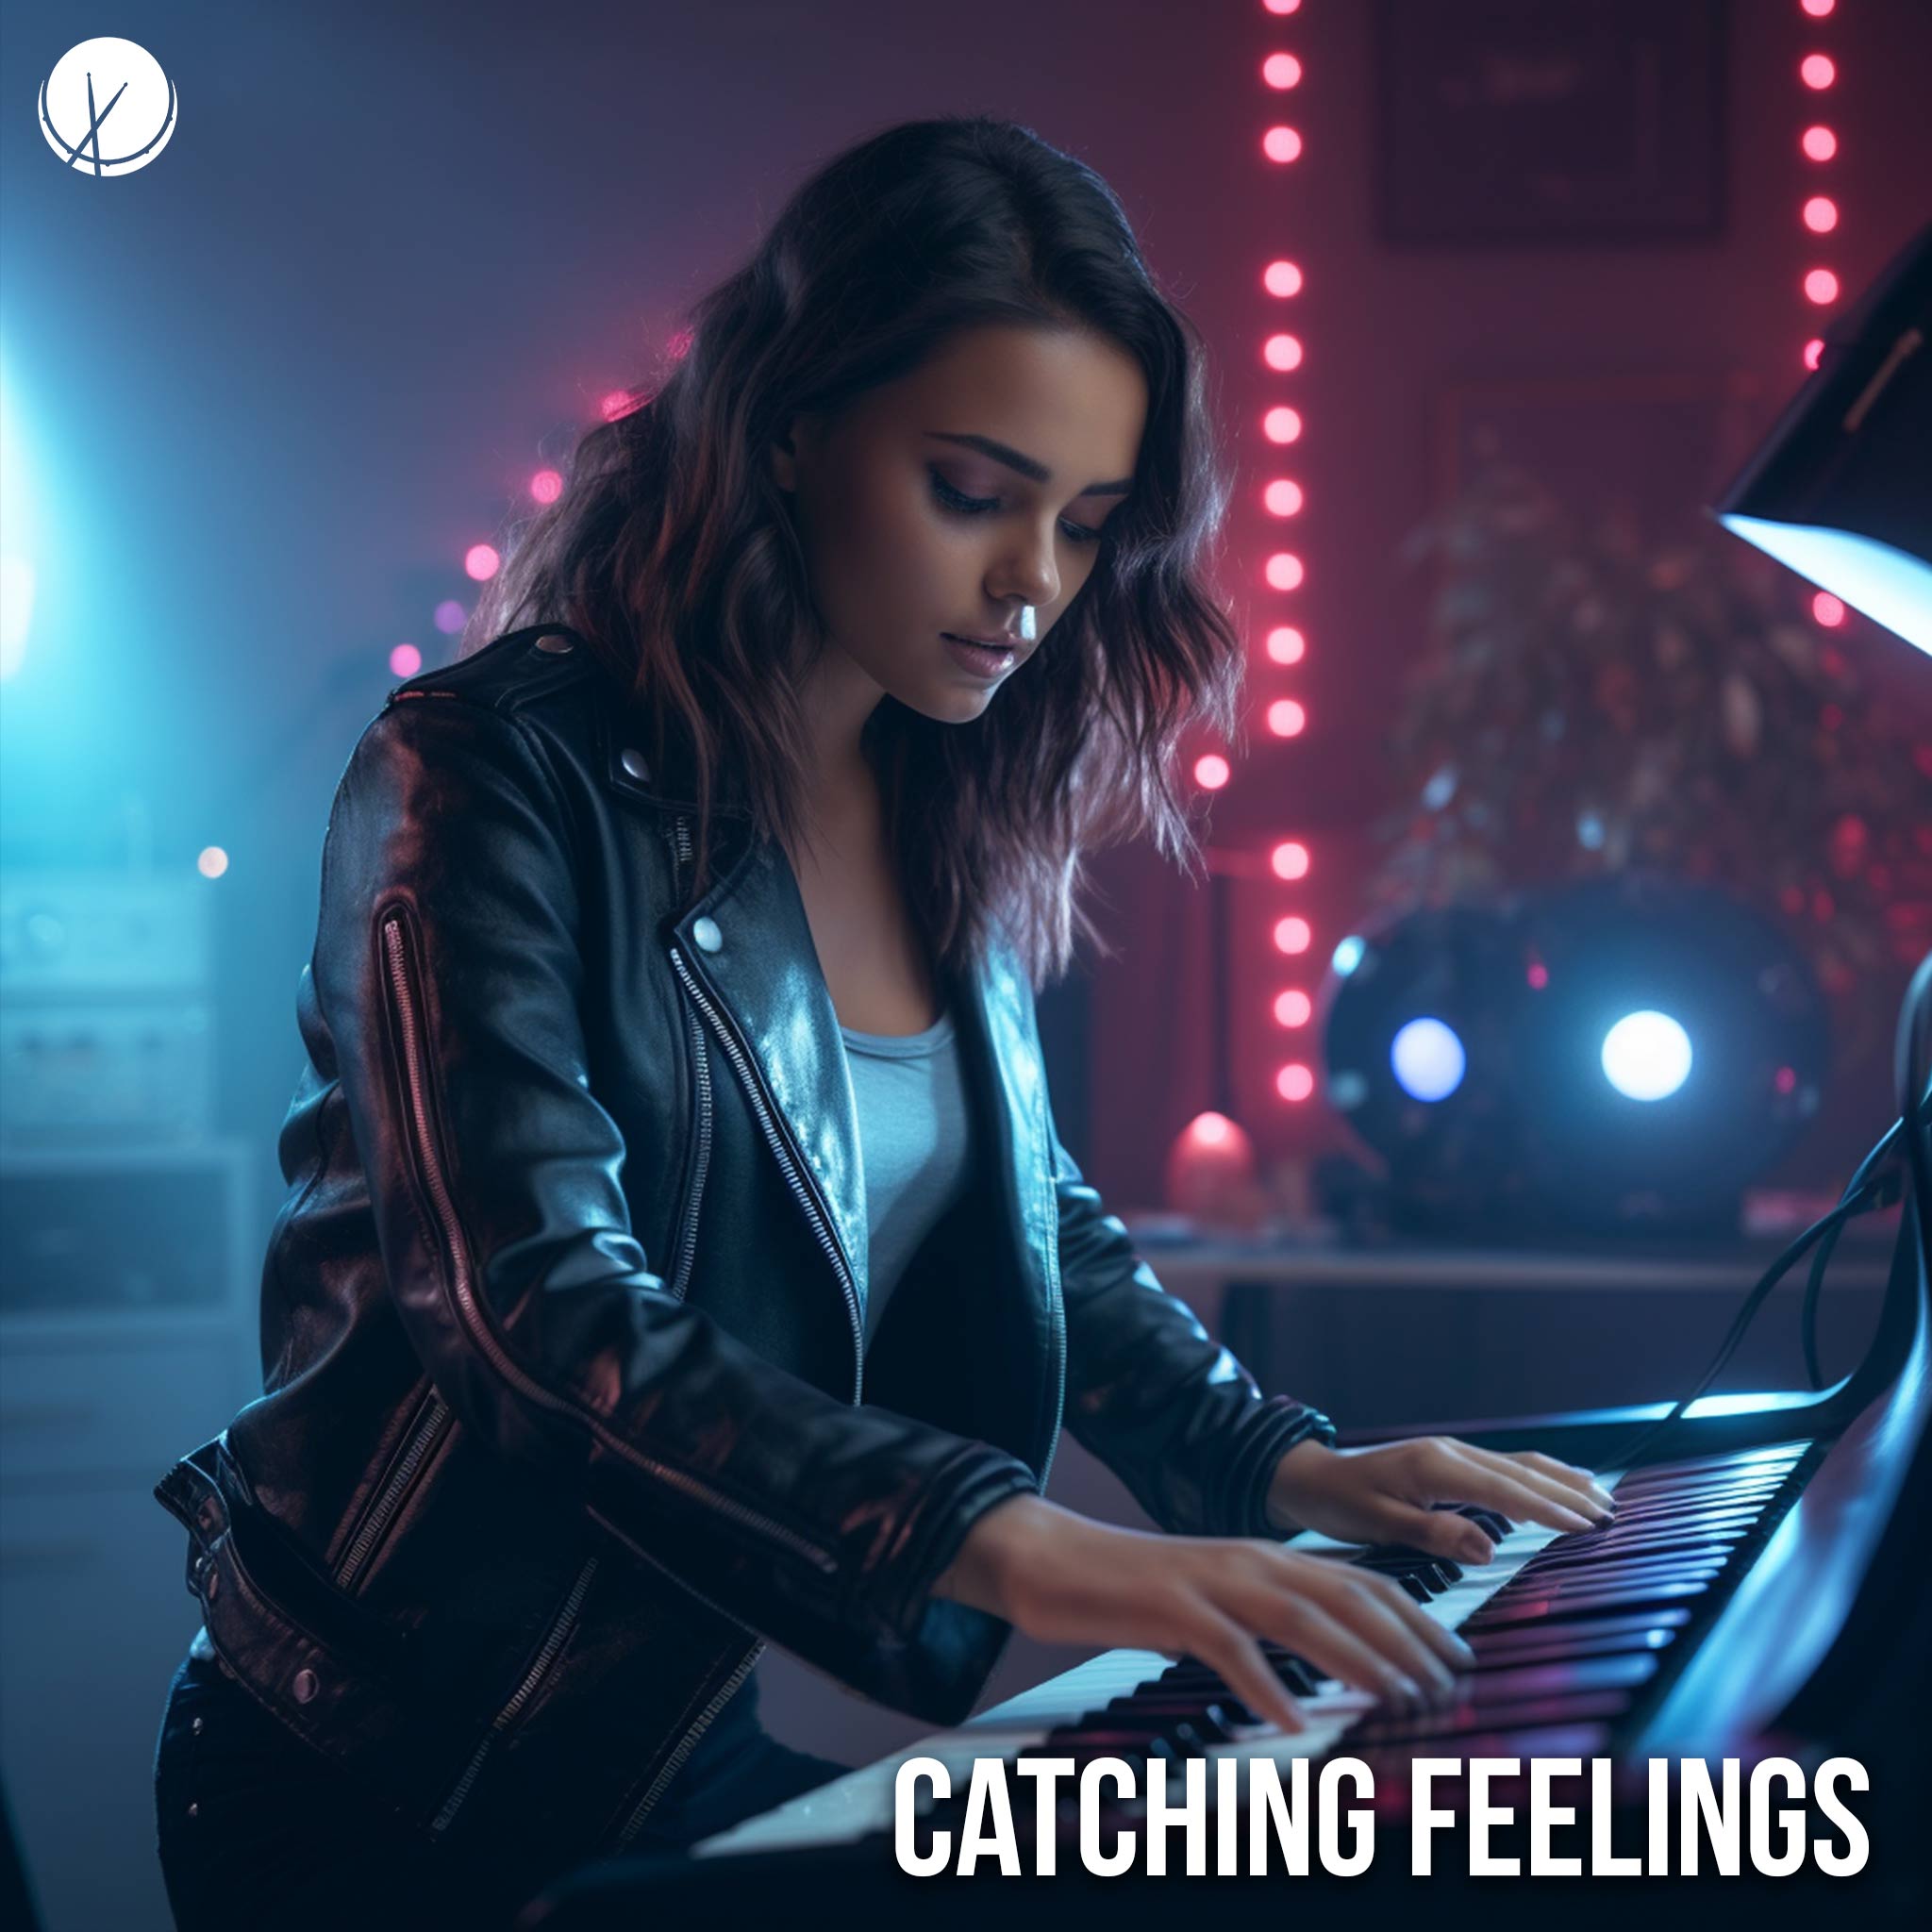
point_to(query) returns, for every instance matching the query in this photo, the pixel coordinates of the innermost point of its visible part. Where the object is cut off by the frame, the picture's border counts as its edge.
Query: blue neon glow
(1347, 957)
(1891, 586)
(1646, 1056)
(1429, 1059)
(16, 539)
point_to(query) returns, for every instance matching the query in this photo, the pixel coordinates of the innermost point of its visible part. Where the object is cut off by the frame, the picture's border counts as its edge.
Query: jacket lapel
(1002, 1055)
(763, 974)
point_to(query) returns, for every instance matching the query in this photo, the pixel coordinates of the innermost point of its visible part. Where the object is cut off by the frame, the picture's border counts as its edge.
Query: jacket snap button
(197, 1728)
(194, 1810)
(635, 763)
(555, 642)
(707, 934)
(306, 1686)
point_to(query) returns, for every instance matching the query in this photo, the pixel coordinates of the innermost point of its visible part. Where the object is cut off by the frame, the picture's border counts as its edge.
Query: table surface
(1862, 1260)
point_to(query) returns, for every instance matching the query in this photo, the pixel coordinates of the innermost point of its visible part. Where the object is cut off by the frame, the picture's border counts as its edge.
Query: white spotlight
(1429, 1059)
(1646, 1056)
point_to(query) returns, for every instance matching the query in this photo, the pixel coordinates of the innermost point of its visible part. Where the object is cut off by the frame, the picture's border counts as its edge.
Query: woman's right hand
(1063, 1578)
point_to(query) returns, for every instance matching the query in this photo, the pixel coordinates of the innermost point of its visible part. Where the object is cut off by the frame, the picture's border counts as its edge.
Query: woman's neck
(842, 789)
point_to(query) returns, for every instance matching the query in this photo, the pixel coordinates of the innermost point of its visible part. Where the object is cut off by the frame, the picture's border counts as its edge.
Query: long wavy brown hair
(672, 548)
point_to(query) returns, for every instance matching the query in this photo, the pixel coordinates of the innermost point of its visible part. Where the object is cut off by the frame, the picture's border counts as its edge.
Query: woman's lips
(983, 660)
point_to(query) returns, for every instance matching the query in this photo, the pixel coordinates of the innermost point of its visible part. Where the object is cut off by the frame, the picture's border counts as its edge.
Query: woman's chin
(952, 703)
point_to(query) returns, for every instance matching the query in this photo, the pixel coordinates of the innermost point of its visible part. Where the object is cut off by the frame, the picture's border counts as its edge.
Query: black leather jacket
(562, 1315)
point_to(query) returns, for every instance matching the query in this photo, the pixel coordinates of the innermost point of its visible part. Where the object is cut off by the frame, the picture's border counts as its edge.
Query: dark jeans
(255, 1829)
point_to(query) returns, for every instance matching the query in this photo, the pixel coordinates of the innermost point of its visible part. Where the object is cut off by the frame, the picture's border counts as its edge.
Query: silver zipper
(386, 1505)
(1060, 1322)
(686, 1745)
(687, 1247)
(701, 1067)
(546, 1655)
(463, 1292)
(786, 1165)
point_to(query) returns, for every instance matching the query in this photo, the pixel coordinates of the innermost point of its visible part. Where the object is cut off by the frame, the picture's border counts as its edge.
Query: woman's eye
(981, 505)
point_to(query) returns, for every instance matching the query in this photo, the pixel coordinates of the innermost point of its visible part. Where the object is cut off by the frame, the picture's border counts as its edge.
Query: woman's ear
(785, 455)
(797, 445)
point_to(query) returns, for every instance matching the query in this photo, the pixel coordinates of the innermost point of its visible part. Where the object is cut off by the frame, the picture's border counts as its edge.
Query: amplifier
(103, 932)
(142, 1231)
(106, 1020)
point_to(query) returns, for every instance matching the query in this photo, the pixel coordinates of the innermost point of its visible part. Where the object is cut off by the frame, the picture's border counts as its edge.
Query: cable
(1914, 1066)
(1865, 1193)
(1808, 1321)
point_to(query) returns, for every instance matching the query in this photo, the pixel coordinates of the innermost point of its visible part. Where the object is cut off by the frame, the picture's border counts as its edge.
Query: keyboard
(1760, 1589)
(1576, 1637)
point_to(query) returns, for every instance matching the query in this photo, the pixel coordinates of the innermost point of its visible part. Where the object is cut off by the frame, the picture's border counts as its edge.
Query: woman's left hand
(1383, 1493)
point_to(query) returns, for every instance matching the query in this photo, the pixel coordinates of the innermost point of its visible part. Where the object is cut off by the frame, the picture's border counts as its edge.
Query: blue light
(1891, 586)
(1347, 957)
(1646, 1056)
(1429, 1059)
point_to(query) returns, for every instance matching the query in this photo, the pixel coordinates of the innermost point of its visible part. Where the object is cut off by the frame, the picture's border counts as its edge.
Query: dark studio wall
(1391, 332)
(395, 253)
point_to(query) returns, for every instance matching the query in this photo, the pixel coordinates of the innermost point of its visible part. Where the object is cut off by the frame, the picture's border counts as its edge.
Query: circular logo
(107, 108)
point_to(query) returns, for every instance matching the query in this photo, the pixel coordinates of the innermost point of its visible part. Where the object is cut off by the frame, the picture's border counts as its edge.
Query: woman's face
(951, 498)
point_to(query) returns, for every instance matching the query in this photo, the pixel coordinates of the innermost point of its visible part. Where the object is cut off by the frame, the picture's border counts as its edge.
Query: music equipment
(1758, 1589)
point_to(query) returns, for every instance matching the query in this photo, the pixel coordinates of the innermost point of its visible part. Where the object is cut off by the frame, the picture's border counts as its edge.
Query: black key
(1532, 1609)
(1465, 1719)
(1564, 1641)
(1485, 1642)
(1487, 1689)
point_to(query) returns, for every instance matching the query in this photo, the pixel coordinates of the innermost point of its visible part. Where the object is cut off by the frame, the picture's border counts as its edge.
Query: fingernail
(1408, 1688)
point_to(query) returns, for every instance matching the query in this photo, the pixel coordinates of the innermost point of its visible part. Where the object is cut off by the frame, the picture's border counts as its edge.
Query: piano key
(1571, 1610)
(1564, 1641)
(1571, 1673)
(1391, 1762)
(1484, 1642)
(1537, 1609)
(1466, 1719)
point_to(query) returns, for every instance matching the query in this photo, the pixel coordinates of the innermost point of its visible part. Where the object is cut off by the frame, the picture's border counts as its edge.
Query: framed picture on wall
(1514, 122)
(1652, 448)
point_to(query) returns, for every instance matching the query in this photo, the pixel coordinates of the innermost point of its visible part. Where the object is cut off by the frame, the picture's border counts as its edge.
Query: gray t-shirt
(913, 1132)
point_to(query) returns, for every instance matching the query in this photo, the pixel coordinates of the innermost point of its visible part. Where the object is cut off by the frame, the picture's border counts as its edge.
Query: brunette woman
(678, 1253)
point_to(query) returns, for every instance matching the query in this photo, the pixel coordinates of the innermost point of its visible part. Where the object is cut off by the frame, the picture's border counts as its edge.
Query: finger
(1570, 1476)
(1439, 1653)
(1222, 1644)
(1572, 1511)
(1307, 1628)
(1475, 1475)
(1440, 1532)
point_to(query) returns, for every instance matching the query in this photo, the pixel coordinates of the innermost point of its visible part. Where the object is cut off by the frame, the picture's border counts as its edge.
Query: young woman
(678, 1253)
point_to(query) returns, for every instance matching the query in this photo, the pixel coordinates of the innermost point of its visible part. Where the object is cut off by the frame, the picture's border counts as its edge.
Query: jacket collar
(749, 943)
(766, 979)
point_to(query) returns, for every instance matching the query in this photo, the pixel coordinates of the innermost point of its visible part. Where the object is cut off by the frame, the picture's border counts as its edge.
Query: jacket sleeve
(447, 974)
(1169, 1412)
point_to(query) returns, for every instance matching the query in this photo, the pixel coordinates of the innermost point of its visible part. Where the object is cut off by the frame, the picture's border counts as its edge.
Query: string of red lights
(1282, 498)
(1818, 145)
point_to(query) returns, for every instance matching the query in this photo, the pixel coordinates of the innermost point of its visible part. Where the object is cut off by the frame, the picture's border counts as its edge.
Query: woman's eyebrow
(1027, 466)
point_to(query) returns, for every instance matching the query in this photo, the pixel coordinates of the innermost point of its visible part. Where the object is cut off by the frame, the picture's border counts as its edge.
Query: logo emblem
(107, 108)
